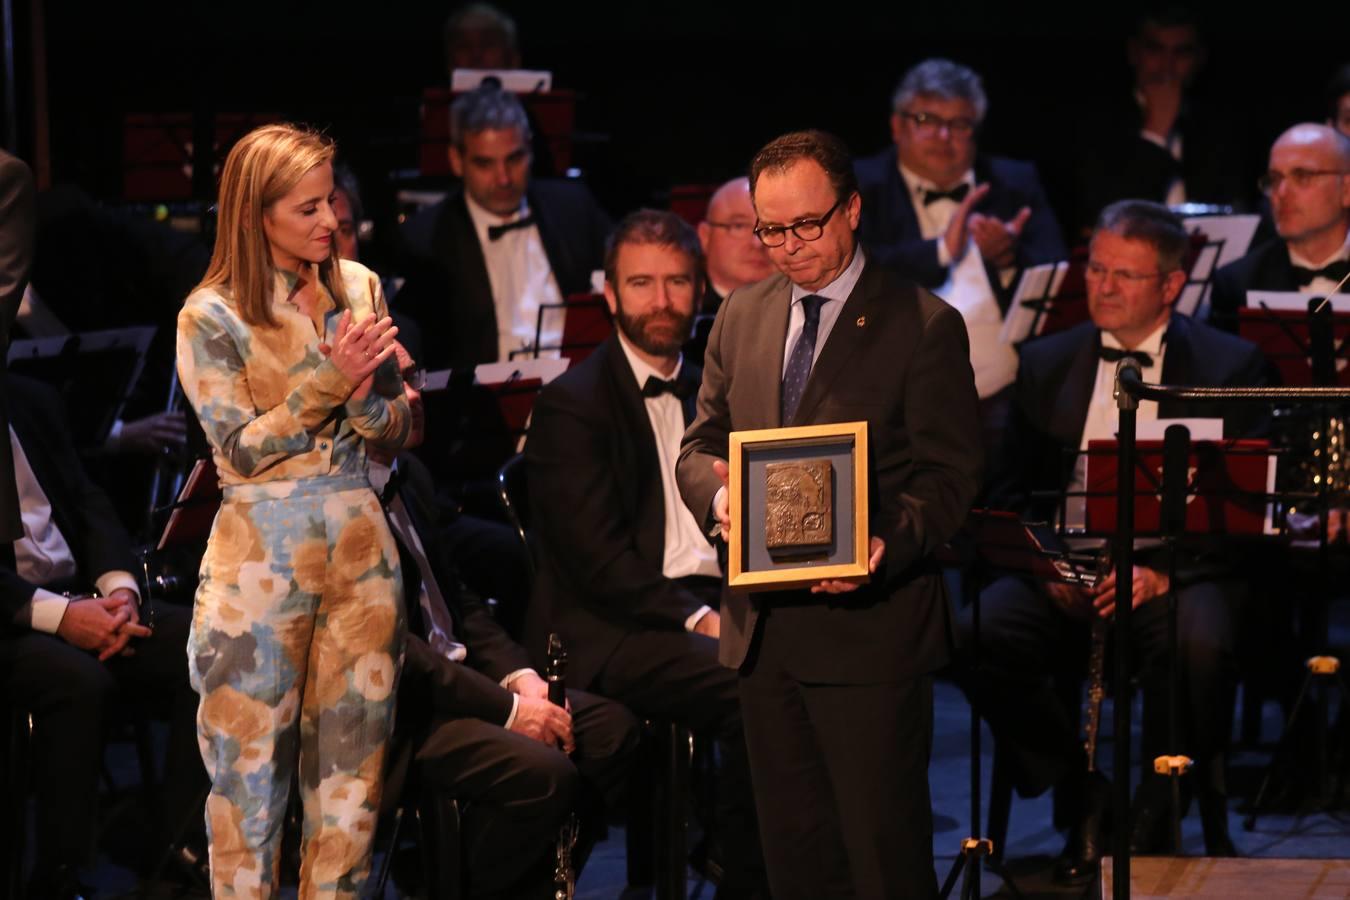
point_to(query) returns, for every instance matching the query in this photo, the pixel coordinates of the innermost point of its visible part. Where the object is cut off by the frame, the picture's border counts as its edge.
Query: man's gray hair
(945, 79)
(487, 106)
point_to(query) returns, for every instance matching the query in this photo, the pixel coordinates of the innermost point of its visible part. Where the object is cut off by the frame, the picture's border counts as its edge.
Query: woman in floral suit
(285, 353)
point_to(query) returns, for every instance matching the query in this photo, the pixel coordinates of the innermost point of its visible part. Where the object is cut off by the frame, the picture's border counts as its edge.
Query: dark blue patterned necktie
(799, 363)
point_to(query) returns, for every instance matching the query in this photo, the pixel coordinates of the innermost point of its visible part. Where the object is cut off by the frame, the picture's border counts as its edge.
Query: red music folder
(1228, 484)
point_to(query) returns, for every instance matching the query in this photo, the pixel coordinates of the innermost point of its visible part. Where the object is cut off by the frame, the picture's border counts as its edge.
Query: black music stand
(1223, 490)
(994, 540)
(1309, 348)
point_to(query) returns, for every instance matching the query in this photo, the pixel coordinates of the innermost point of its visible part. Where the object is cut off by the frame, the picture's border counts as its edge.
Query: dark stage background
(668, 93)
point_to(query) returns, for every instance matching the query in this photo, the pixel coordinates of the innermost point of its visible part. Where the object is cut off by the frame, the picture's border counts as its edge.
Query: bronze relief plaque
(799, 505)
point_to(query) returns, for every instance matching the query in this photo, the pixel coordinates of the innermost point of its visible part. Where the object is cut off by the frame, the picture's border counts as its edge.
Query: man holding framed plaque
(835, 678)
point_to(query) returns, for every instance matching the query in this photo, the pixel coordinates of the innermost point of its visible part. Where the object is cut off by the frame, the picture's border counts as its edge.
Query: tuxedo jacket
(889, 228)
(897, 358)
(448, 291)
(1114, 162)
(1055, 379)
(598, 511)
(80, 509)
(1266, 267)
(470, 689)
(17, 227)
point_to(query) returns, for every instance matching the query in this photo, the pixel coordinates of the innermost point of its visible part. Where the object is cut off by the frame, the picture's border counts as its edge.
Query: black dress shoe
(1083, 851)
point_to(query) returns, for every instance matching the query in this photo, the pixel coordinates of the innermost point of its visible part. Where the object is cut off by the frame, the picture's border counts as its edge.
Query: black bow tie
(1333, 270)
(682, 388)
(1113, 354)
(495, 232)
(956, 194)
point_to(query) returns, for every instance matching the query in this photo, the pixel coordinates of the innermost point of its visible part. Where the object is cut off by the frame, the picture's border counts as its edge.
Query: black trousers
(675, 675)
(841, 780)
(516, 792)
(1030, 650)
(70, 695)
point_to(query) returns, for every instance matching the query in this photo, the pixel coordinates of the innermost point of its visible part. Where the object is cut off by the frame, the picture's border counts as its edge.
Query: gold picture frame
(746, 449)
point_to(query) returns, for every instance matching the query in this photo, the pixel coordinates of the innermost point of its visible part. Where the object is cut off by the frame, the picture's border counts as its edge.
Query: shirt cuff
(716, 530)
(511, 719)
(943, 256)
(506, 682)
(692, 622)
(44, 612)
(115, 580)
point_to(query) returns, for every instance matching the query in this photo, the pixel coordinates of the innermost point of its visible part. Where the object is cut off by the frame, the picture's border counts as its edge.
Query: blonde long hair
(259, 170)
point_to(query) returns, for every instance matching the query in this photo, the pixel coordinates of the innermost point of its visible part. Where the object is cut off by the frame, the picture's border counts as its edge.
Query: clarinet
(564, 873)
(1096, 691)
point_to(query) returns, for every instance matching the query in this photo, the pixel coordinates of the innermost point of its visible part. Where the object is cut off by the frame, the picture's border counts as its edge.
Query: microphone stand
(977, 851)
(1128, 405)
(1176, 448)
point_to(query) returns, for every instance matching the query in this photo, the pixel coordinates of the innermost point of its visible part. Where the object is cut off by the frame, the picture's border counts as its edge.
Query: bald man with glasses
(1308, 183)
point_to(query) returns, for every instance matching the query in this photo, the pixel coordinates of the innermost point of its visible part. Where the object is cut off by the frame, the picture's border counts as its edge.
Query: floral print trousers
(295, 650)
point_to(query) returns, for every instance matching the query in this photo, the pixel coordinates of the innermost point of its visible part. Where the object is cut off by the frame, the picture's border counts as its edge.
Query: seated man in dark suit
(483, 260)
(486, 731)
(1308, 182)
(625, 573)
(1162, 137)
(735, 256)
(1032, 635)
(958, 222)
(63, 656)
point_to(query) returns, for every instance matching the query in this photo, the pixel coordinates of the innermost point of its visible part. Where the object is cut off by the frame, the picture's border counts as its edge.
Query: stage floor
(1032, 840)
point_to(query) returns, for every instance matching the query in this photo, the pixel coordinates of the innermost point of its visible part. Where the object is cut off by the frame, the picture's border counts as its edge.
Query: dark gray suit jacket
(17, 226)
(897, 357)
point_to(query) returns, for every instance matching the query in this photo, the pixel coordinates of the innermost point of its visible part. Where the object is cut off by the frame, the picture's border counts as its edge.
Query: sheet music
(517, 81)
(1234, 233)
(1229, 237)
(1201, 429)
(436, 381)
(544, 369)
(1293, 301)
(1021, 318)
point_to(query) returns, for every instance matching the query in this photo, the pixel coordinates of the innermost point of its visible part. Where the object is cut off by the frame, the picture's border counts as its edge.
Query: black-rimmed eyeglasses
(804, 229)
(415, 378)
(930, 125)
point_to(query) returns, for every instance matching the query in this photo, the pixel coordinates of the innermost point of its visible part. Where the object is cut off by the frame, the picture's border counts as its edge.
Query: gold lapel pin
(862, 320)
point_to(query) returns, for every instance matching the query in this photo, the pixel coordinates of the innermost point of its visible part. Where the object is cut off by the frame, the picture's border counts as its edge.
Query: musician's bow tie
(956, 194)
(1333, 270)
(495, 232)
(1113, 354)
(681, 388)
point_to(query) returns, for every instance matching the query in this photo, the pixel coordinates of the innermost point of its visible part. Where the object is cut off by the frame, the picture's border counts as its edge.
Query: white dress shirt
(835, 293)
(1103, 417)
(687, 551)
(42, 555)
(1320, 285)
(1176, 191)
(967, 288)
(522, 281)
